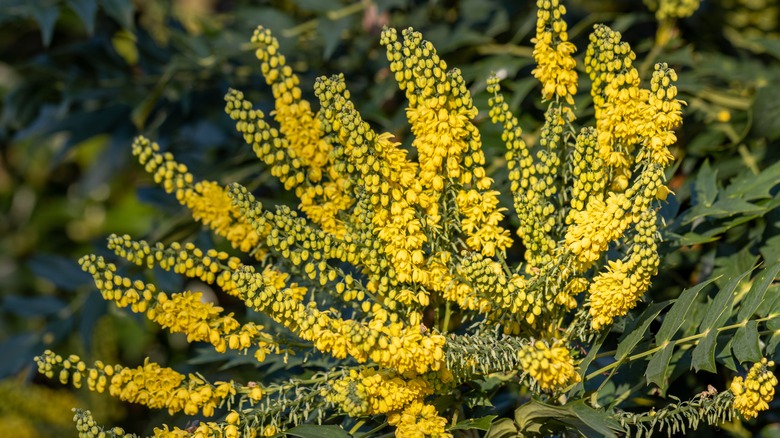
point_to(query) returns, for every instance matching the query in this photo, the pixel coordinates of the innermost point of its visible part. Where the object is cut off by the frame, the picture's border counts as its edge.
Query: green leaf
(771, 346)
(46, 16)
(535, 416)
(724, 354)
(766, 113)
(637, 332)
(86, 10)
(315, 431)
(677, 314)
(483, 423)
(771, 249)
(119, 10)
(746, 347)
(656, 369)
(757, 292)
(706, 185)
(749, 186)
(719, 309)
(704, 352)
(503, 428)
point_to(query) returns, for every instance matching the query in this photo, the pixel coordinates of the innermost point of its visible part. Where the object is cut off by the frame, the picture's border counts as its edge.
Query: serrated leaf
(659, 362)
(719, 309)
(749, 186)
(86, 10)
(704, 352)
(315, 431)
(706, 185)
(636, 334)
(746, 347)
(677, 314)
(771, 249)
(483, 423)
(757, 292)
(503, 428)
(577, 415)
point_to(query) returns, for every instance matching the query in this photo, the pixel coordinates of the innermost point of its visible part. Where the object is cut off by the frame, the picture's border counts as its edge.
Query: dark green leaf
(635, 334)
(749, 186)
(24, 347)
(32, 306)
(771, 249)
(120, 10)
(86, 10)
(577, 416)
(503, 428)
(720, 308)
(659, 362)
(62, 271)
(704, 352)
(706, 185)
(315, 431)
(94, 307)
(766, 113)
(757, 292)
(483, 423)
(722, 209)
(318, 5)
(677, 314)
(724, 354)
(746, 347)
(46, 16)
(331, 32)
(771, 346)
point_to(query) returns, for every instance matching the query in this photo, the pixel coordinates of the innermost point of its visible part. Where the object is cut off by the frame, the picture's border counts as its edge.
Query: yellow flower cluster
(390, 246)
(552, 367)
(553, 53)
(369, 391)
(179, 312)
(150, 384)
(673, 9)
(206, 199)
(449, 145)
(754, 393)
(419, 420)
(617, 290)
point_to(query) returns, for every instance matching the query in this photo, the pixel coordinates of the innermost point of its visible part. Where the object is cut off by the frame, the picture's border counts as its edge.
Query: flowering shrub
(397, 268)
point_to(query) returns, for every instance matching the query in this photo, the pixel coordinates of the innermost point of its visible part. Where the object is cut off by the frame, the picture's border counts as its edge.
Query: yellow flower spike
(754, 393)
(206, 199)
(179, 312)
(419, 420)
(553, 53)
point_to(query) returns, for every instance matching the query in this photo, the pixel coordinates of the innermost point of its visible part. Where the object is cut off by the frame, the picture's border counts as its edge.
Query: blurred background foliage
(80, 78)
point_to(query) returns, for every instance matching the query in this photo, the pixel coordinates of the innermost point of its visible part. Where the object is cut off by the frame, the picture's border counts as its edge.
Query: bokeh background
(80, 78)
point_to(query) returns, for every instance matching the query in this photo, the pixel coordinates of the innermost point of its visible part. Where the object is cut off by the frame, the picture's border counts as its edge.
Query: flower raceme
(387, 258)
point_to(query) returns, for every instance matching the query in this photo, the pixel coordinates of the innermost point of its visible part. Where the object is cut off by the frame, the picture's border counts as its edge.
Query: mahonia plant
(397, 268)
